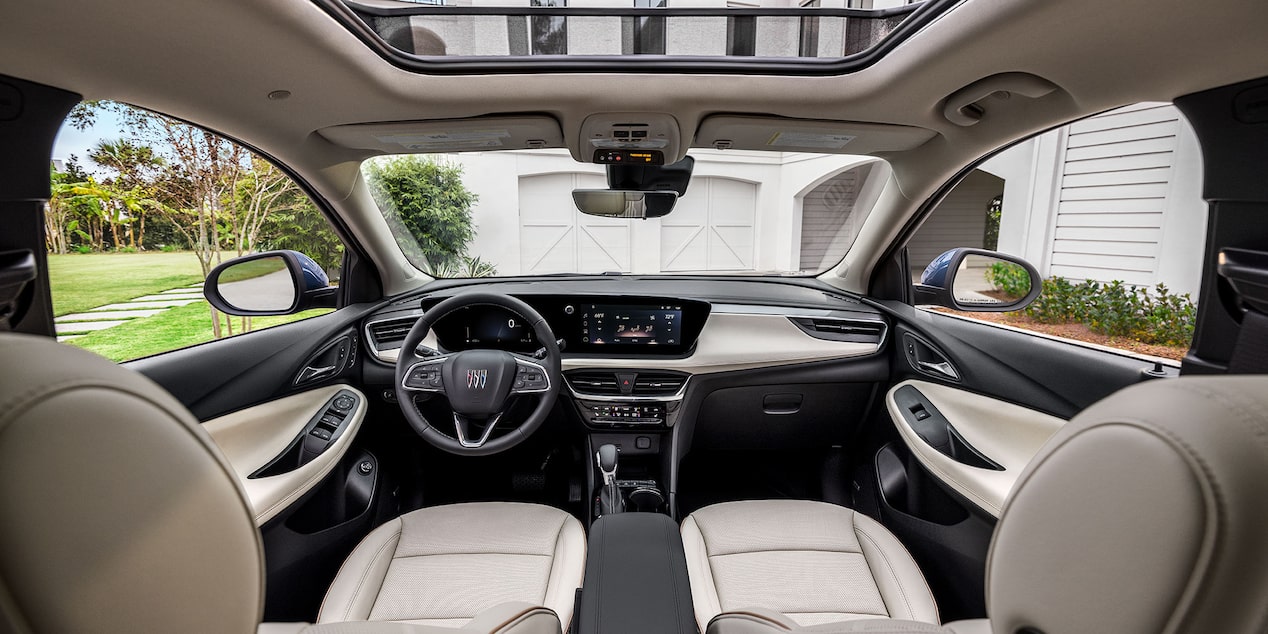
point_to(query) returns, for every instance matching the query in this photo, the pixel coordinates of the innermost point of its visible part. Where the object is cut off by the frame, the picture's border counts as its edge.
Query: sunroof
(770, 36)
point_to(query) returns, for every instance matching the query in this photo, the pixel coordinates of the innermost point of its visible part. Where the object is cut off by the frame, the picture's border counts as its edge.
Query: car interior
(608, 451)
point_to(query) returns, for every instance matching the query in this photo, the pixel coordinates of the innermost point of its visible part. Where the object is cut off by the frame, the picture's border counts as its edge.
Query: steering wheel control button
(366, 467)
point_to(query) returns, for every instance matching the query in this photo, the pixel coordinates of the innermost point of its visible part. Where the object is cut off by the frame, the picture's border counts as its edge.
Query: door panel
(1007, 436)
(1034, 371)
(223, 376)
(1005, 392)
(264, 435)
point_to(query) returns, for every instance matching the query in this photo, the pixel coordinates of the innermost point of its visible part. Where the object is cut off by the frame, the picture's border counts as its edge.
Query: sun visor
(483, 134)
(805, 135)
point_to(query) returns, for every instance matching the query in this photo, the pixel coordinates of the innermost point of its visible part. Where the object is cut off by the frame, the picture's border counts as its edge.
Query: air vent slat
(837, 329)
(388, 334)
(607, 383)
(598, 383)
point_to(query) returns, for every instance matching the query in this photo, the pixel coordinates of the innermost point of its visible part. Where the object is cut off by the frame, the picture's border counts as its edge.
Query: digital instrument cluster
(587, 324)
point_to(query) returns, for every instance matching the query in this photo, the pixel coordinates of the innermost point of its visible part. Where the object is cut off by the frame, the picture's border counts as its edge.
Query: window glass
(549, 32)
(143, 206)
(1108, 209)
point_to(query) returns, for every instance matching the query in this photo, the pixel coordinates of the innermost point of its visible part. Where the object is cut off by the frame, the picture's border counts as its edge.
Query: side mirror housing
(977, 280)
(269, 283)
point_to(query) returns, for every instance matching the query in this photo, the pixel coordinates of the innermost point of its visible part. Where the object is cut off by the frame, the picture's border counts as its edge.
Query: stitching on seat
(789, 550)
(366, 573)
(885, 558)
(558, 533)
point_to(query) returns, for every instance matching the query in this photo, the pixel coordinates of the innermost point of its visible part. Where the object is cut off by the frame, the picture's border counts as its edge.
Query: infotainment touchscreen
(626, 325)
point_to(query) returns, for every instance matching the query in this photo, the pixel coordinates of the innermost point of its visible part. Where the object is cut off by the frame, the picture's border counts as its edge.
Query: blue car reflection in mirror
(936, 273)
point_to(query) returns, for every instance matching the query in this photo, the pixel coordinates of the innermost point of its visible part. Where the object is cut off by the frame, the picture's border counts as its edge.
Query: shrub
(1008, 278)
(1118, 310)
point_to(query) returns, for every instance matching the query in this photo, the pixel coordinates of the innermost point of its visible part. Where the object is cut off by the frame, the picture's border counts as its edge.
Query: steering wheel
(480, 383)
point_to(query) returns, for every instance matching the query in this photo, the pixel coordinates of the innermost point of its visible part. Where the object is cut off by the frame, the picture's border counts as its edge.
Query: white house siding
(1112, 197)
(1114, 186)
(827, 217)
(959, 220)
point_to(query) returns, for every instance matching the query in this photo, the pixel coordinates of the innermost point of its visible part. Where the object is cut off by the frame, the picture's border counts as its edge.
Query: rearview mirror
(622, 203)
(978, 280)
(270, 283)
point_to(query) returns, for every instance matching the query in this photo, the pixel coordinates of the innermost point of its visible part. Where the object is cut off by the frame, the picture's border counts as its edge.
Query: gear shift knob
(606, 457)
(610, 500)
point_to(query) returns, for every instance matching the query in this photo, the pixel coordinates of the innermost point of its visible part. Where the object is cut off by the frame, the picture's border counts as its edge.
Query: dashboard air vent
(596, 383)
(658, 383)
(389, 333)
(837, 329)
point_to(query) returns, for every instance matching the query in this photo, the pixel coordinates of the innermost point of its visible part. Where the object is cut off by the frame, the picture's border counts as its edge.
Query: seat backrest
(1148, 512)
(117, 514)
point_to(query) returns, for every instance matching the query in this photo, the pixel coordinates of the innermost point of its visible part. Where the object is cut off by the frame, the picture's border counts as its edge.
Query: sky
(109, 126)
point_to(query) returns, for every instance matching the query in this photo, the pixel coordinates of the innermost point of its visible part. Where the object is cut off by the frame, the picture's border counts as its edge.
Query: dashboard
(587, 324)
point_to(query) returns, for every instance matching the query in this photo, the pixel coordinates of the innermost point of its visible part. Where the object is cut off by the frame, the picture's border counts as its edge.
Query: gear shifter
(610, 495)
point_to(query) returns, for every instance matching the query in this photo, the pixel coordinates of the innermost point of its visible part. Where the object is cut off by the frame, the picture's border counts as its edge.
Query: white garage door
(556, 238)
(711, 228)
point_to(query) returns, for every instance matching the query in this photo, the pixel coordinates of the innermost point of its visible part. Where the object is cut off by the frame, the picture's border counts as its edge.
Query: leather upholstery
(810, 561)
(443, 565)
(1145, 513)
(507, 618)
(119, 513)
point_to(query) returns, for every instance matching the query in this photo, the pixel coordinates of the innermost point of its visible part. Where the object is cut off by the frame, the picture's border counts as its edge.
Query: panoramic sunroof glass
(647, 33)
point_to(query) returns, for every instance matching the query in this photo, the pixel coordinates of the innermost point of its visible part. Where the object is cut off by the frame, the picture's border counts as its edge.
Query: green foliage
(1008, 278)
(1155, 316)
(426, 199)
(303, 228)
(465, 266)
(994, 210)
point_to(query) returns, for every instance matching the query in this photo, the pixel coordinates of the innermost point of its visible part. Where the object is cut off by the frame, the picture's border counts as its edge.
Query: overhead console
(621, 138)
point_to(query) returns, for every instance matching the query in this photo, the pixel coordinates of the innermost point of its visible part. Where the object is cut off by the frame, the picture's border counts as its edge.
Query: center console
(636, 578)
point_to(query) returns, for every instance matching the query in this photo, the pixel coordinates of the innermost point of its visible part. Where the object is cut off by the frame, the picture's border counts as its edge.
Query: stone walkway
(79, 324)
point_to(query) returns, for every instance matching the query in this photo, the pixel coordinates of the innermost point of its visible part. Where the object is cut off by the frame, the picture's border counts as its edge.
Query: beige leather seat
(120, 515)
(446, 564)
(1146, 513)
(811, 561)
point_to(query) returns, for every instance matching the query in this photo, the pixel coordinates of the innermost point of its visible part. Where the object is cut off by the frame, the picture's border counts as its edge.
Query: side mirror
(270, 283)
(624, 203)
(978, 280)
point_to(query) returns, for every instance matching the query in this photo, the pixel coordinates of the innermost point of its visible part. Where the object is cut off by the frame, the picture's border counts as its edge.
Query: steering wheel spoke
(531, 376)
(463, 429)
(425, 376)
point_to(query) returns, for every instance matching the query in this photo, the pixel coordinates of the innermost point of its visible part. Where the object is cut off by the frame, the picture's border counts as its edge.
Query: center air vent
(388, 334)
(658, 383)
(596, 383)
(626, 382)
(837, 329)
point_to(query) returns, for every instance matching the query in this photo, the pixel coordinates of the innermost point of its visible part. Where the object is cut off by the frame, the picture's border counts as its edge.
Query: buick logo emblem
(476, 379)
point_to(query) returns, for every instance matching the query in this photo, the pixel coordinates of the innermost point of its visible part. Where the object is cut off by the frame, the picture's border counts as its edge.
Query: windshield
(511, 213)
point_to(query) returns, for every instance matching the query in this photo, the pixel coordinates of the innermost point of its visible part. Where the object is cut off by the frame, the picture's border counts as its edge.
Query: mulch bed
(1077, 332)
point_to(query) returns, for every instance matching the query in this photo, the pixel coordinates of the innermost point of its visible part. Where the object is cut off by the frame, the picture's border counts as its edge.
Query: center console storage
(636, 578)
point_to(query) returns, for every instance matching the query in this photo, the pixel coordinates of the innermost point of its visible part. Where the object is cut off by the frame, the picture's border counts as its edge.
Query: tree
(302, 227)
(424, 198)
(264, 191)
(135, 167)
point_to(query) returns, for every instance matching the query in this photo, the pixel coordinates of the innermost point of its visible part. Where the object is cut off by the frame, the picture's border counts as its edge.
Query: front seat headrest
(119, 514)
(1148, 512)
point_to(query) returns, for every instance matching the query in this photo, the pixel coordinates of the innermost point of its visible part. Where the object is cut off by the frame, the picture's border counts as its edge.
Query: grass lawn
(170, 330)
(82, 282)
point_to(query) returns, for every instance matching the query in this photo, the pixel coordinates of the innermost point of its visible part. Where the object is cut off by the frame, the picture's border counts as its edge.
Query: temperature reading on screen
(631, 325)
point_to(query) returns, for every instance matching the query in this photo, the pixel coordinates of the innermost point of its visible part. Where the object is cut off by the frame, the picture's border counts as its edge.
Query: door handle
(942, 368)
